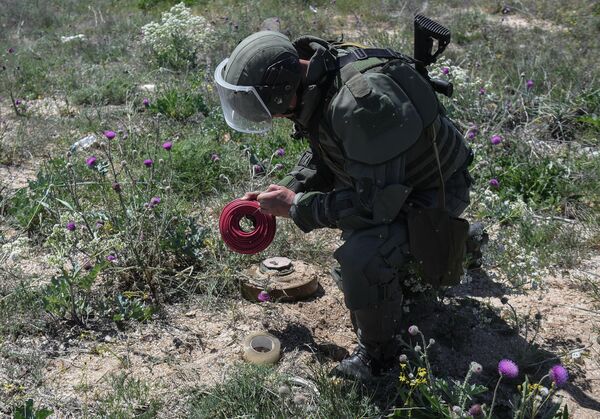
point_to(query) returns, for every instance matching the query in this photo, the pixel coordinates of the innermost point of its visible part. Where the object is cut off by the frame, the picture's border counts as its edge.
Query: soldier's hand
(276, 200)
(250, 196)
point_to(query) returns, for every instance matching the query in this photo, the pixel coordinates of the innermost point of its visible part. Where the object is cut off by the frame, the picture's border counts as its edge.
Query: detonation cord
(246, 242)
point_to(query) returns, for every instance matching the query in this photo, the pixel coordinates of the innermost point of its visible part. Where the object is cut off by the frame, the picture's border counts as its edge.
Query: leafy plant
(178, 104)
(68, 295)
(27, 411)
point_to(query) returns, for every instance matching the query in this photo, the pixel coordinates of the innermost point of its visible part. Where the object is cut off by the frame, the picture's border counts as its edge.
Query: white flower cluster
(461, 78)
(178, 28)
(13, 251)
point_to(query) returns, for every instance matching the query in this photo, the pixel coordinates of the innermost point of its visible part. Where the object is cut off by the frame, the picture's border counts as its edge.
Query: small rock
(271, 24)
(107, 338)
(150, 88)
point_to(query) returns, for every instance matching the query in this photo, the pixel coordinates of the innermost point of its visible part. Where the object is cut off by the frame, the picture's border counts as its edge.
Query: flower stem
(489, 416)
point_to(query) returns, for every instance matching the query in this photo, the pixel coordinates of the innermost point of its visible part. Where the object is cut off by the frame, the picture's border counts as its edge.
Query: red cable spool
(241, 241)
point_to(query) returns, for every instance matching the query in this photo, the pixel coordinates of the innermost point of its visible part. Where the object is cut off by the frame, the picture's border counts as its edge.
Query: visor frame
(225, 86)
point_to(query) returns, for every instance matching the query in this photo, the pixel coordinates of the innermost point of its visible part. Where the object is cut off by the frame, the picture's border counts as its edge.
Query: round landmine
(283, 279)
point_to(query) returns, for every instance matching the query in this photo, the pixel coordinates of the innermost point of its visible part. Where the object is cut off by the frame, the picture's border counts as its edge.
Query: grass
(544, 215)
(262, 392)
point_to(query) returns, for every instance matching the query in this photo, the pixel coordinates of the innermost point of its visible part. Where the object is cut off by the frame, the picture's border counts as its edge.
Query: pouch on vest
(438, 244)
(437, 239)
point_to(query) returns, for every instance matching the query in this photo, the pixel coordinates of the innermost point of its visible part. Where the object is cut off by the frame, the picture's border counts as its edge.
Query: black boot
(378, 347)
(478, 238)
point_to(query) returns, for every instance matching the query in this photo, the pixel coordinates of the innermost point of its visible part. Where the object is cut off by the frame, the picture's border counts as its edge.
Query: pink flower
(168, 145)
(257, 168)
(482, 91)
(559, 375)
(71, 226)
(494, 183)
(146, 102)
(280, 152)
(508, 368)
(215, 157)
(413, 330)
(91, 161)
(529, 84)
(496, 139)
(154, 201)
(475, 410)
(263, 296)
(148, 162)
(111, 258)
(445, 70)
(110, 134)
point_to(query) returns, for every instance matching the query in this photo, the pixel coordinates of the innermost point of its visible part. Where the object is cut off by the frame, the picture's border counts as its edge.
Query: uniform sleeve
(369, 202)
(309, 174)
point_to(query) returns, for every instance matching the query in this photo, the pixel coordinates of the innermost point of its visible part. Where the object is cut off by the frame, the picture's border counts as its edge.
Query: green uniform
(371, 159)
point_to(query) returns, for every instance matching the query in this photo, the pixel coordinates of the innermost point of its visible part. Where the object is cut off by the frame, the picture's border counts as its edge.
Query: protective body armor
(371, 126)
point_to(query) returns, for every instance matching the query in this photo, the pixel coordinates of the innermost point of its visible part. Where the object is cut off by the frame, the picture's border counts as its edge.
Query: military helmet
(258, 81)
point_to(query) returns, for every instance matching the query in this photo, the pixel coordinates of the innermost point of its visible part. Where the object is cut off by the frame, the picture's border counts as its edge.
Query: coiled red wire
(239, 240)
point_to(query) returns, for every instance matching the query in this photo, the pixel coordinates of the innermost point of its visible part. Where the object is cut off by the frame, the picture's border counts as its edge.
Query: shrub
(179, 38)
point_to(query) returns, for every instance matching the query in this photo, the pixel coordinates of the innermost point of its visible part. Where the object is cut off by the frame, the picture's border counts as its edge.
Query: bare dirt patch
(195, 345)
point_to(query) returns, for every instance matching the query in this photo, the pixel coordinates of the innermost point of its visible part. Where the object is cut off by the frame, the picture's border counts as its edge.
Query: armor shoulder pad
(374, 118)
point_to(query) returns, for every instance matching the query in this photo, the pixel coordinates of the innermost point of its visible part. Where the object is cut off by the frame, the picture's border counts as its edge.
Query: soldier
(380, 146)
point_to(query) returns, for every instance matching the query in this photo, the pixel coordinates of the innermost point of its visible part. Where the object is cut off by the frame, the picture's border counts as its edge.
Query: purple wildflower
(154, 201)
(257, 168)
(482, 91)
(559, 375)
(263, 296)
(529, 84)
(472, 132)
(445, 70)
(146, 102)
(111, 258)
(91, 161)
(71, 226)
(494, 183)
(168, 145)
(280, 152)
(496, 139)
(475, 410)
(17, 102)
(413, 330)
(116, 186)
(110, 134)
(148, 162)
(278, 166)
(11, 50)
(215, 157)
(508, 368)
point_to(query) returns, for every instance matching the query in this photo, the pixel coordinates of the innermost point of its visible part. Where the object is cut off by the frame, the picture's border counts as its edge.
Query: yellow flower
(421, 372)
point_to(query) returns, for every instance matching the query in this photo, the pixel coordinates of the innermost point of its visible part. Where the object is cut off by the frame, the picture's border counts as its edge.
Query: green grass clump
(262, 392)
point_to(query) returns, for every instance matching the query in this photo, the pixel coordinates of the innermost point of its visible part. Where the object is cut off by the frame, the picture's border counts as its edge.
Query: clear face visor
(243, 108)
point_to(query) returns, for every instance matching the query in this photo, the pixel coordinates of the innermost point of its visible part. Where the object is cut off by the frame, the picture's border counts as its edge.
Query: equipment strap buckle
(360, 54)
(393, 53)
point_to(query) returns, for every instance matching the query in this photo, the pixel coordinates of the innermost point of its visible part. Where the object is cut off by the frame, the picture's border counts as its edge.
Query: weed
(129, 398)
